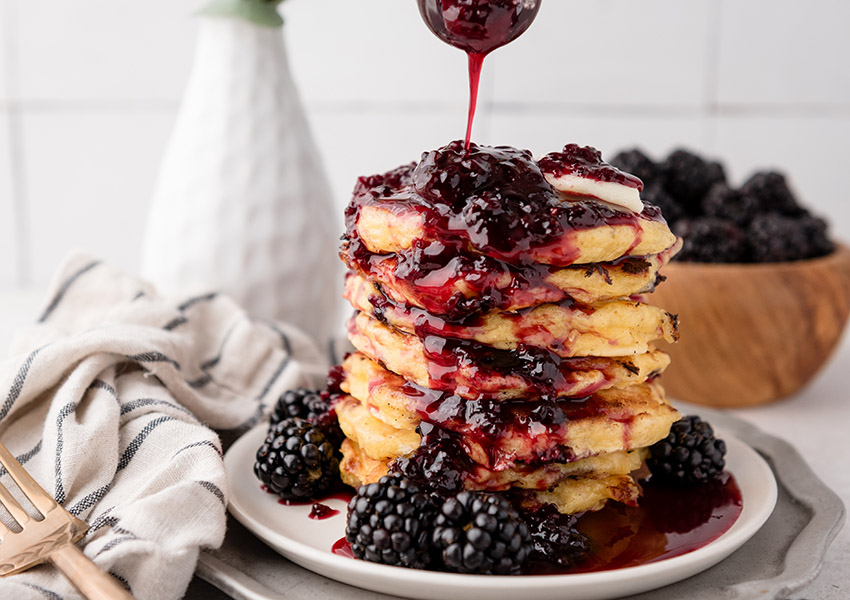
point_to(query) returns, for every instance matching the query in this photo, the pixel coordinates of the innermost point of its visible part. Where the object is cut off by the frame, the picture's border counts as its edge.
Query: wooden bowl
(752, 333)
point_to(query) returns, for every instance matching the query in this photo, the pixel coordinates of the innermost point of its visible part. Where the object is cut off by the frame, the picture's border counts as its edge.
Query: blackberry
(723, 202)
(688, 178)
(776, 238)
(301, 403)
(297, 461)
(637, 163)
(771, 190)
(689, 454)
(311, 405)
(438, 465)
(819, 243)
(476, 532)
(709, 239)
(388, 523)
(554, 537)
(654, 193)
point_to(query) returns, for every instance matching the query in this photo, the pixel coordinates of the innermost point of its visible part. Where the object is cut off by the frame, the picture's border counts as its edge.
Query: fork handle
(90, 580)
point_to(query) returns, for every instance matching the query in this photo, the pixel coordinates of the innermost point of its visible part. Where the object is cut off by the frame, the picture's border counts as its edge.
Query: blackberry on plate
(772, 192)
(689, 454)
(297, 461)
(776, 238)
(688, 178)
(302, 403)
(388, 523)
(724, 202)
(438, 465)
(554, 537)
(311, 405)
(476, 532)
(709, 239)
(637, 163)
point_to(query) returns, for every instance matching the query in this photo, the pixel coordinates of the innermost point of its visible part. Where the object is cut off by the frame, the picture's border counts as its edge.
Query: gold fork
(49, 539)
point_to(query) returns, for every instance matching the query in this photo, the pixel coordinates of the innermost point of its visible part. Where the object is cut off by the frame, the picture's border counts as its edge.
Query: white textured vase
(242, 204)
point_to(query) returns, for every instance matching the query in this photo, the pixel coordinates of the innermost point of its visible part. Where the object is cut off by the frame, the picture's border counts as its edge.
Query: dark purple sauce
(453, 283)
(341, 547)
(508, 433)
(424, 324)
(586, 162)
(477, 27)
(320, 512)
(667, 522)
(492, 200)
(543, 373)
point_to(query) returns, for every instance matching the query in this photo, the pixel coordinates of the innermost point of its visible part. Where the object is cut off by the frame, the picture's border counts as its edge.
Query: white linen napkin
(108, 401)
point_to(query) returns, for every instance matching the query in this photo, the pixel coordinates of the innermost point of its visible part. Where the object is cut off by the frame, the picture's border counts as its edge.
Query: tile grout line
(17, 183)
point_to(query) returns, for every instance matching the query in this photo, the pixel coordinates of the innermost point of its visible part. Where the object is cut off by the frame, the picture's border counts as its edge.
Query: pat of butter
(615, 194)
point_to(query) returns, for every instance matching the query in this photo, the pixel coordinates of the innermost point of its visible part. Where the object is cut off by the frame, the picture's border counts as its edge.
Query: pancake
(356, 468)
(395, 224)
(360, 469)
(613, 328)
(453, 285)
(378, 440)
(589, 493)
(496, 201)
(474, 371)
(385, 421)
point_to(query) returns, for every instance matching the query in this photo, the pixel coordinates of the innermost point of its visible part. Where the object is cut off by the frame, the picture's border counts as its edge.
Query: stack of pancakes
(502, 338)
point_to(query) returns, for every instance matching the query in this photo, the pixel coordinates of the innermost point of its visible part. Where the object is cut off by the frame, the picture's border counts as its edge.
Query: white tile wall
(101, 51)
(89, 178)
(378, 52)
(548, 130)
(609, 52)
(8, 215)
(784, 52)
(6, 33)
(355, 143)
(92, 87)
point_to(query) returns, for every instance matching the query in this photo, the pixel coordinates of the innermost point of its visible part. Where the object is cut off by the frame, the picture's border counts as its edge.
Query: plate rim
(686, 565)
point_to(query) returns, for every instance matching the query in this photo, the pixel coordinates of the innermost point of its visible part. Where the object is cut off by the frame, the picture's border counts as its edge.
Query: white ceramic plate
(308, 542)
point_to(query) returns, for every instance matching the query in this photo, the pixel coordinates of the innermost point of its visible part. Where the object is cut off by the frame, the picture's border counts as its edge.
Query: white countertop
(815, 421)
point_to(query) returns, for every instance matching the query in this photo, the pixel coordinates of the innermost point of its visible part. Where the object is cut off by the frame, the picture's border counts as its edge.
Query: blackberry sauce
(543, 373)
(424, 324)
(342, 547)
(453, 284)
(320, 512)
(490, 200)
(667, 522)
(477, 27)
(499, 434)
(586, 162)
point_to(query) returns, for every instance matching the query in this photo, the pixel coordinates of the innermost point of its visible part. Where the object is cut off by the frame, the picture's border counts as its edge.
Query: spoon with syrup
(477, 27)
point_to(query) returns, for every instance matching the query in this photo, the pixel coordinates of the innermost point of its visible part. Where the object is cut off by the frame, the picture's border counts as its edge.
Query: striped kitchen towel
(110, 401)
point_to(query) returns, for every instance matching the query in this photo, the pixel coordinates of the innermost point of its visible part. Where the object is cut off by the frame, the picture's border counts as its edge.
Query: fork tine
(29, 486)
(17, 511)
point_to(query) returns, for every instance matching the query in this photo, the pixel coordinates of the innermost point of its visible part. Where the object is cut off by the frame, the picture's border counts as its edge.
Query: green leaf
(259, 12)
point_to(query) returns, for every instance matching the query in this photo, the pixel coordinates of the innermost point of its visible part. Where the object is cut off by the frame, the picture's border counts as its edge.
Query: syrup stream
(476, 62)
